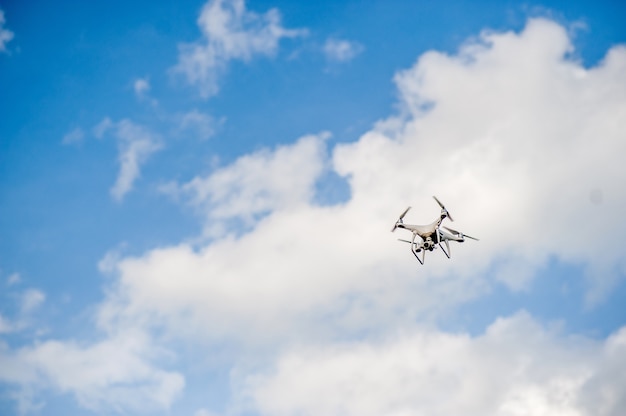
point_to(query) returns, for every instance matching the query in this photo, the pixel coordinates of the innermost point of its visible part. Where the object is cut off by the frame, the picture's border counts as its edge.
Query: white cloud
(31, 300)
(14, 279)
(341, 50)
(5, 325)
(141, 87)
(111, 375)
(204, 412)
(515, 368)
(262, 182)
(101, 128)
(27, 303)
(199, 124)
(523, 145)
(136, 144)
(230, 32)
(75, 136)
(518, 137)
(281, 180)
(5, 34)
(515, 138)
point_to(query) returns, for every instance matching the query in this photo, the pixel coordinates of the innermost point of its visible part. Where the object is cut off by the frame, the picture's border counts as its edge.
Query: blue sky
(195, 203)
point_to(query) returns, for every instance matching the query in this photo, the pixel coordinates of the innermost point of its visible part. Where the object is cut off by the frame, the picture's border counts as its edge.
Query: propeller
(443, 208)
(460, 233)
(400, 219)
(405, 241)
(419, 246)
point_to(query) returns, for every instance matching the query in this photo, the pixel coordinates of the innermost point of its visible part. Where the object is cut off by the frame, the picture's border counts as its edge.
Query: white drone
(431, 234)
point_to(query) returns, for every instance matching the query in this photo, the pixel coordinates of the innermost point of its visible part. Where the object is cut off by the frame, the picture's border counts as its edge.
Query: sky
(196, 199)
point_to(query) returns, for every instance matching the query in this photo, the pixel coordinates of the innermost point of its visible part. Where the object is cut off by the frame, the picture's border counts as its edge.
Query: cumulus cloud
(135, 144)
(261, 182)
(509, 133)
(523, 145)
(341, 50)
(230, 32)
(518, 136)
(515, 368)
(112, 375)
(5, 34)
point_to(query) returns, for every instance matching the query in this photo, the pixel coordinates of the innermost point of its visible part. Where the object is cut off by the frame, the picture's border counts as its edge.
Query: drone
(432, 235)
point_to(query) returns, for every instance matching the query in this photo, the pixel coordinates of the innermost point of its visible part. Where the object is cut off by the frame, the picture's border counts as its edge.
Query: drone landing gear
(446, 252)
(415, 251)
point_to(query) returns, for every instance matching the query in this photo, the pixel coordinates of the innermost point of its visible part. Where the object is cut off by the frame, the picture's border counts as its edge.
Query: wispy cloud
(135, 145)
(141, 87)
(230, 32)
(102, 127)
(5, 325)
(31, 300)
(5, 34)
(14, 279)
(28, 302)
(341, 50)
(200, 125)
(75, 136)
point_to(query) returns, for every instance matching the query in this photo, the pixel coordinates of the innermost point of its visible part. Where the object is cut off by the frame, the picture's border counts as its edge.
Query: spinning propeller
(400, 219)
(443, 208)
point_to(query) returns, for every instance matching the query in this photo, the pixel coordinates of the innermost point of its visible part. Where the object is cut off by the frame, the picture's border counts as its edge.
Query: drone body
(431, 234)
